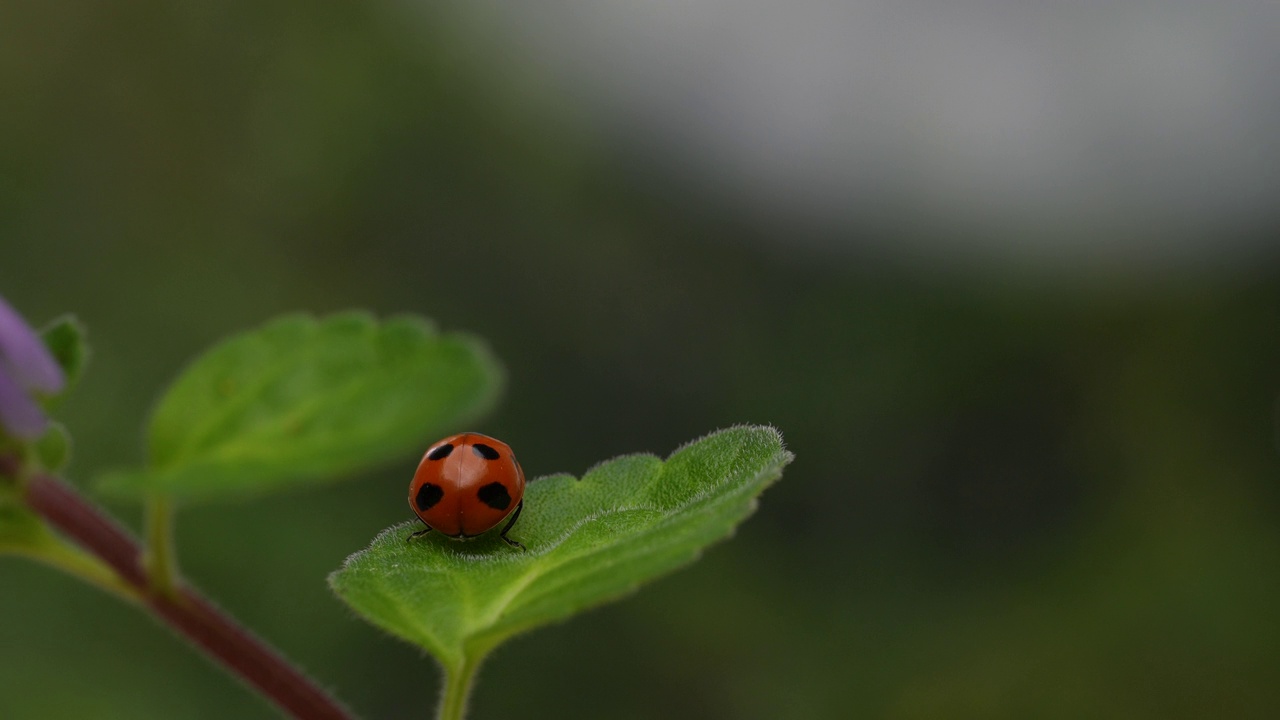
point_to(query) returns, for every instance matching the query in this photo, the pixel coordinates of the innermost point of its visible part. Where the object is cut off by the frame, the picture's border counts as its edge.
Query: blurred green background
(1020, 491)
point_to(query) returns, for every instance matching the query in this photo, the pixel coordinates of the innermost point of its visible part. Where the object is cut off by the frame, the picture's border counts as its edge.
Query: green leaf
(302, 399)
(589, 541)
(25, 534)
(64, 337)
(53, 449)
(21, 531)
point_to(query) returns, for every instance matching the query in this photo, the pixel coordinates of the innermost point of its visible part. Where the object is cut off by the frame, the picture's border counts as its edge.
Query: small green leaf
(53, 449)
(302, 399)
(21, 532)
(25, 534)
(589, 541)
(65, 339)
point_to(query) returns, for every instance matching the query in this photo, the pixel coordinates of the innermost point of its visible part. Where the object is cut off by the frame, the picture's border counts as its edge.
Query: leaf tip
(761, 434)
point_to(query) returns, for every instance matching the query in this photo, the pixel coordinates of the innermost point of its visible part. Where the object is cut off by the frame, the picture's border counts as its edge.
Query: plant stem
(161, 560)
(184, 609)
(457, 687)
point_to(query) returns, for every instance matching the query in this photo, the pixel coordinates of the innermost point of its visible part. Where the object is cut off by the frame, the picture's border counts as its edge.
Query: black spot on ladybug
(486, 452)
(495, 495)
(428, 496)
(441, 452)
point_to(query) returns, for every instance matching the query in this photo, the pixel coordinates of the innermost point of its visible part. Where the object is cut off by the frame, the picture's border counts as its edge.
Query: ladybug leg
(418, 534)
(511, 522)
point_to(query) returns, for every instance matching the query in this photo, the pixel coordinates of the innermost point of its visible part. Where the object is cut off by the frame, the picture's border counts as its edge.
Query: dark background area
(1021, 490)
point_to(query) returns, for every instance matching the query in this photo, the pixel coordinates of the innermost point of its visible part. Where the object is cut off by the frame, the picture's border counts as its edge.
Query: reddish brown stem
(189, 613)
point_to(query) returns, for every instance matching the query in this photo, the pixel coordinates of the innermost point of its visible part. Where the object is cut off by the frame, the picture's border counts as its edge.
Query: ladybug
(465, 485)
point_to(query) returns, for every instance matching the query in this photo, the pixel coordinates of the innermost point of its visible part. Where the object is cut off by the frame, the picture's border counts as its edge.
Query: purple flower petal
(19, 414)
(24, 355)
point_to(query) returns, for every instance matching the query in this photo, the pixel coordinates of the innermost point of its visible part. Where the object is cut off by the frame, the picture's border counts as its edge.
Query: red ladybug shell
(466, 484)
